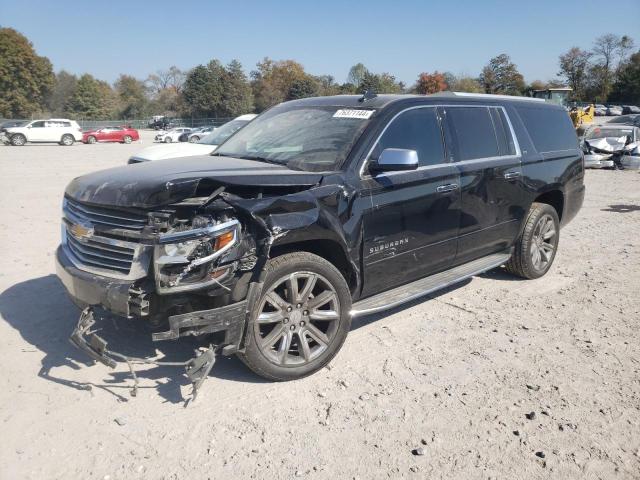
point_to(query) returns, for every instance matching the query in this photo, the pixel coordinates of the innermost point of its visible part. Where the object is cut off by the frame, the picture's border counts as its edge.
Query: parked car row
(615, 110)
(206, 145)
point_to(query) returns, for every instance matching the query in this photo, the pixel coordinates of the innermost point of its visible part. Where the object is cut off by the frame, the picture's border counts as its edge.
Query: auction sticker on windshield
(352, 113)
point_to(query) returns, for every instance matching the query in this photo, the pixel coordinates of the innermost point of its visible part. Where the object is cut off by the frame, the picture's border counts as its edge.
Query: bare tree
(573, 68)
(163, 79)
(605, 50)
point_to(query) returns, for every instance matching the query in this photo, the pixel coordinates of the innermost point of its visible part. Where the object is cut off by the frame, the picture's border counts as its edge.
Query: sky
(402, 37)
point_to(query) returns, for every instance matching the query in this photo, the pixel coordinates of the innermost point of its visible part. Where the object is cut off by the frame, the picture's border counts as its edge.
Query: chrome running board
(424, 286)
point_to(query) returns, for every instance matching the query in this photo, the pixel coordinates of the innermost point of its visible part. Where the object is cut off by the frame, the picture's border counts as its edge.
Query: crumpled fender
(320, 213)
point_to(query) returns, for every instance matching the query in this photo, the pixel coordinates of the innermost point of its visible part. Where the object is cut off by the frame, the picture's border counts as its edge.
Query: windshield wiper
(262, 159)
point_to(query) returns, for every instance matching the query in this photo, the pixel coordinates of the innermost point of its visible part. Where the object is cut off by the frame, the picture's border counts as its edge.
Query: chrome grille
(97, 254)
(106, 217)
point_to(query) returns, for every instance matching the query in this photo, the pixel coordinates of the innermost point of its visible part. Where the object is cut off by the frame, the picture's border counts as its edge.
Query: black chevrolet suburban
(319, 211)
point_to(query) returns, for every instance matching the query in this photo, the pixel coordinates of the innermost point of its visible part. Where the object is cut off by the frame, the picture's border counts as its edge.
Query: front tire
(126, 139)
(167, 139)
(67, 140)
(18, 140)
(536, 247)
(301, 319)
(92, 139)
(194, 139)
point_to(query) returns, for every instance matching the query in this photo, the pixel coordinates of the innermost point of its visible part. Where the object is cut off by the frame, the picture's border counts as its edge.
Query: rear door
(412, 227)
(488, 159)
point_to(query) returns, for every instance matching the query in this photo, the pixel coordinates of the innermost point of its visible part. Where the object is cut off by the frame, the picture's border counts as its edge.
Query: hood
(608, 144)
(173, 150)
(155, 184)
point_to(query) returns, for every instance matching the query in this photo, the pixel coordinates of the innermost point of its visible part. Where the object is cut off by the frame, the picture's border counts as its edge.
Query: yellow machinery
(580, 116)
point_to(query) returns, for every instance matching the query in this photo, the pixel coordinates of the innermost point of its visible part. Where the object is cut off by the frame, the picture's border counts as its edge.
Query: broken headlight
(189, 259)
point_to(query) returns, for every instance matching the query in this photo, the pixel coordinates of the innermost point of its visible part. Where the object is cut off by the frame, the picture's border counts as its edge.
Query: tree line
(610, 71)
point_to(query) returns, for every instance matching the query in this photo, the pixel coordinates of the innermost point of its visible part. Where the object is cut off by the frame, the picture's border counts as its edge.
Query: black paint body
(388, 229)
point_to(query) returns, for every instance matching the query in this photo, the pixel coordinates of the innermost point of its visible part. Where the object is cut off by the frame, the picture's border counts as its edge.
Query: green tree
(237, 97)
(379, 83)
(303, 88)
(93, 99)
(467, 84)
(272, 81)
(132, 96)
(202, 89)
(609, 52)
(25, 78)
(501, 76)
(356, 74)
(627, 86)
(63, 90)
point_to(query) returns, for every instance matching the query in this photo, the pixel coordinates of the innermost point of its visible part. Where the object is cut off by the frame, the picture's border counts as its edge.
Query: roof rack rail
(487, 96)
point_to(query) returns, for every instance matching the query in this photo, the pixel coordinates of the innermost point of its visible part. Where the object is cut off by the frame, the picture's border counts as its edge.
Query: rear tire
(536, 248)
(127, 139)
(303, 333)
(18, 140)
(194, 139)
(67, 140)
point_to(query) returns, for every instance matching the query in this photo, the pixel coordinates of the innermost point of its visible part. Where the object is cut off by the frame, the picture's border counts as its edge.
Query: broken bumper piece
(85, 338)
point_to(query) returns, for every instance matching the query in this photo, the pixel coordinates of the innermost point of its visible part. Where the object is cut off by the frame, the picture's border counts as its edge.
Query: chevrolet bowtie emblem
(80, 231)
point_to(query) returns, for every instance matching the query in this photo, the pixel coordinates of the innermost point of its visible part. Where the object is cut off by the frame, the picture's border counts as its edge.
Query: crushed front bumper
(86, 339)
(87, 289)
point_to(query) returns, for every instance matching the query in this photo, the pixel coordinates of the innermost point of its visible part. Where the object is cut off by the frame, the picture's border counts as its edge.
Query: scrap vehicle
(631, 119)
(319, 211)
(612, 146)
(206, 145)
(122, 134)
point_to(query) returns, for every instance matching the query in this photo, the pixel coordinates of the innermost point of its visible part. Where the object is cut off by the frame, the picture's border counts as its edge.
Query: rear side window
(550, 129)
(37, 125)
(418, 130)
(473, 132)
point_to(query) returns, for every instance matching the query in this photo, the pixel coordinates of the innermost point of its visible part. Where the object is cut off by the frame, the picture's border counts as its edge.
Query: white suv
(58, 130)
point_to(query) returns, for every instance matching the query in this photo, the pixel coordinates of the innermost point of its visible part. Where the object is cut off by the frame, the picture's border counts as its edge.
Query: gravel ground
(496, 378)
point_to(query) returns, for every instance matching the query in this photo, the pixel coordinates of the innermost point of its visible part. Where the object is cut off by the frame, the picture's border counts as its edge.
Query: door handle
(511, 175)
(447, 188)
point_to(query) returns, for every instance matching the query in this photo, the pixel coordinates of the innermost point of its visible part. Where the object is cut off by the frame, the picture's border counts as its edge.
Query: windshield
(219, 135)
(609, 132)
(303, 138)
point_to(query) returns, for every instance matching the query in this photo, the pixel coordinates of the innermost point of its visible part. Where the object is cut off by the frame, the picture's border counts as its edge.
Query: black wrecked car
(319, 211)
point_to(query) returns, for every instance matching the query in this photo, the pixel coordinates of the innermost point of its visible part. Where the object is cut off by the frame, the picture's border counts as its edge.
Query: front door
(488, 159)
(411, 229)
(37, 132)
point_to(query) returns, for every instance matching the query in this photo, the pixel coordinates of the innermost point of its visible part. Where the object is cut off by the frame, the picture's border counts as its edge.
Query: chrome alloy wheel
(297, 319)
(543, 243)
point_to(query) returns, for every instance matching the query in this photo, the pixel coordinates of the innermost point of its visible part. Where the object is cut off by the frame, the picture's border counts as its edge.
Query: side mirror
(395, 159)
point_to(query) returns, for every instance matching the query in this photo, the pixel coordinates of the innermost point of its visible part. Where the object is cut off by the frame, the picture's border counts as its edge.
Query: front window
(301, 137)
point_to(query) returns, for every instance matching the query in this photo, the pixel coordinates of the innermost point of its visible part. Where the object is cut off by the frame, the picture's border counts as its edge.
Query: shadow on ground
(41, 312)
(622, 208)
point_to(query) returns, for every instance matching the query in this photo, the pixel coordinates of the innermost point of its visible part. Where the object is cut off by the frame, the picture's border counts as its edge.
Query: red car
(111, 134)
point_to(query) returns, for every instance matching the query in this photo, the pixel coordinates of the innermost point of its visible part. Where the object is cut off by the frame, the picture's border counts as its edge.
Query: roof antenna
(368, 95)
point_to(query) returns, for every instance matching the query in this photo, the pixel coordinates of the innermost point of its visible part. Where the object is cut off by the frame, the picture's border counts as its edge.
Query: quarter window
(549, 128)
(473, 132)
(418, 130)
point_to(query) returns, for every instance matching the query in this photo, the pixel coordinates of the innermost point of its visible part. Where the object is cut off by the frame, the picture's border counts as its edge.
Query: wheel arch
(328, 249)
(555, 198)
